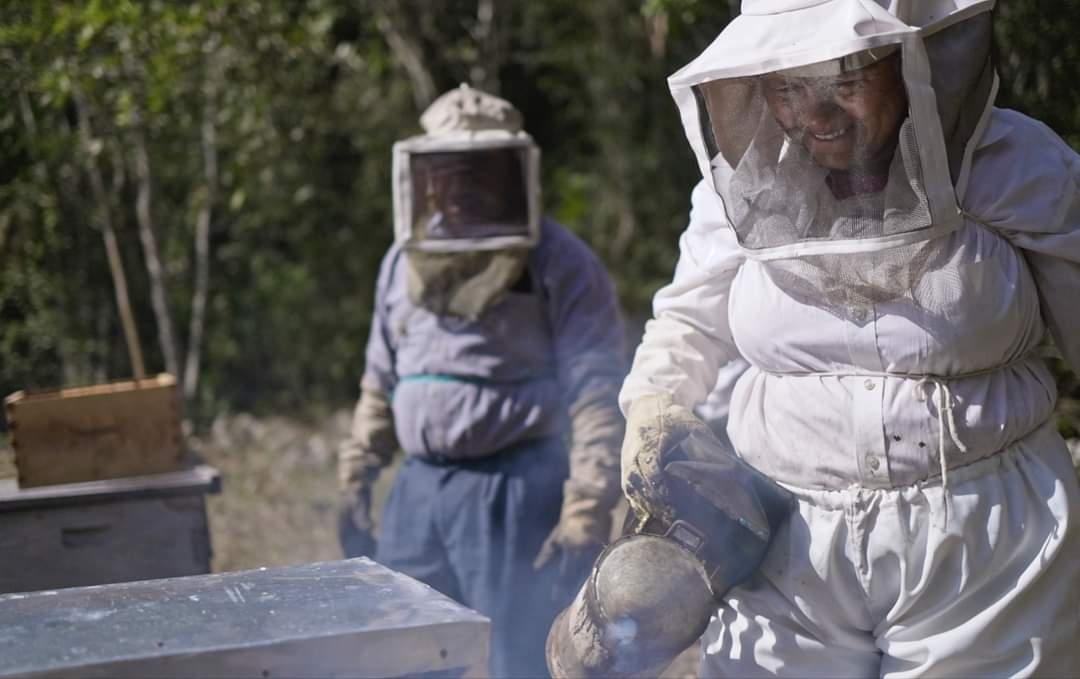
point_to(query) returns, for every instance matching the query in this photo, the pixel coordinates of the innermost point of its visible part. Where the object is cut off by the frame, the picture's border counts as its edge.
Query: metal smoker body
(651, 592)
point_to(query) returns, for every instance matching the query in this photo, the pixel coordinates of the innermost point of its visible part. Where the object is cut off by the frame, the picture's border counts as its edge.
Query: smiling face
(847, 122)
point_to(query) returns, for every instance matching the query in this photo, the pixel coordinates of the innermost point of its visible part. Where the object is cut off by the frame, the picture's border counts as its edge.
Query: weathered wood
(336, 619)
(195, 481)
(105, 531)
(102, 543)
(98, 432)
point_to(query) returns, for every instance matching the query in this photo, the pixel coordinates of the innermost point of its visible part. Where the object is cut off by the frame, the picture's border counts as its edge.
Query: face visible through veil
(848, 121)
(465, 194)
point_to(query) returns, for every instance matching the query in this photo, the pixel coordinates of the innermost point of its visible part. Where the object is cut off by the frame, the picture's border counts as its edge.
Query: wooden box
(100, 532)
(103, 431)
(350, 618)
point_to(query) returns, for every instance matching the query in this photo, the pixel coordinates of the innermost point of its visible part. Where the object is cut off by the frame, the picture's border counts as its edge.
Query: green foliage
(306, 99)
(1039, 62)
(301, 215)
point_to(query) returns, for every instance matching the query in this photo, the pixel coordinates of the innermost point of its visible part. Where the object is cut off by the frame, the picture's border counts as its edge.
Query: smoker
(651, 593)
(349, 618)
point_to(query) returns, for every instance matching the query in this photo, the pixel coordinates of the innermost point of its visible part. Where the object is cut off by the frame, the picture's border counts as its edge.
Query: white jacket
(829, 402)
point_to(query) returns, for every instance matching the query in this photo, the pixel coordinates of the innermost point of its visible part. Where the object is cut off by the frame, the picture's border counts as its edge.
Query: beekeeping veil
(466, 202)
(838, 134)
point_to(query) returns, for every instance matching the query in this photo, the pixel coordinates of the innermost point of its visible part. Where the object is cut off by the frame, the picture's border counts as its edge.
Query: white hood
(950, 86)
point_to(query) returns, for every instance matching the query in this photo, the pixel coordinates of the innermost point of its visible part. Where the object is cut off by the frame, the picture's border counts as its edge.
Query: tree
(251, 140)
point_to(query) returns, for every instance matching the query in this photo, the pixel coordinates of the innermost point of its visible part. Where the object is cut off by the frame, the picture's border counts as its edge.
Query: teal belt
(444, 377)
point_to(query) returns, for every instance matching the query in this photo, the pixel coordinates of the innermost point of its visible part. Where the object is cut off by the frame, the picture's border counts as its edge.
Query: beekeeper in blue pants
(494, 363)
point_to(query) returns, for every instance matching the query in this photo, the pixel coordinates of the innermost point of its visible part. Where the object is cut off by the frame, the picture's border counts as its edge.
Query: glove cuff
(648, 407)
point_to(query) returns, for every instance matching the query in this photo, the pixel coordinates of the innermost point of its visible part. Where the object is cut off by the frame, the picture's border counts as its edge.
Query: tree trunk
(202, 249)
(159, 298)
(408, 53)
(112, 249)
(144, 216)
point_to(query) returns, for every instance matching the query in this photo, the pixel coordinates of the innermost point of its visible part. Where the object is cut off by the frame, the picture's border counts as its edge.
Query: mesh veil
(784, 178)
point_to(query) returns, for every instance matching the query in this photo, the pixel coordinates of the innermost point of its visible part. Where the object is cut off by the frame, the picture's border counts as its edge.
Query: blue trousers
(472, 530)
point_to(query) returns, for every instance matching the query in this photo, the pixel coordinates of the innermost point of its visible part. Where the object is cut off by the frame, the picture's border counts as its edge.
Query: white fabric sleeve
(689, 336)
(1025, 185)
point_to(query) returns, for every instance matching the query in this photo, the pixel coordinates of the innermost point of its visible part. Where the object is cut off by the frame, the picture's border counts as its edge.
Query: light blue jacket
(466, 389)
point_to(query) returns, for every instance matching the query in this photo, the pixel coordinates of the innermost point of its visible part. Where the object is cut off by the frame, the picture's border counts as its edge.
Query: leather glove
(655, 426)
(356, 530)
(584, 528)
(367, 449)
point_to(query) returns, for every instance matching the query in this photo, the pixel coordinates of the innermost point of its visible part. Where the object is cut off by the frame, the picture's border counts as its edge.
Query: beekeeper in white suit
(887, 250)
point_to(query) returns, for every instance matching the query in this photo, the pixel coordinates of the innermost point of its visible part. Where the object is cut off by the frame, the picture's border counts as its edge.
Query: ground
(279, 497)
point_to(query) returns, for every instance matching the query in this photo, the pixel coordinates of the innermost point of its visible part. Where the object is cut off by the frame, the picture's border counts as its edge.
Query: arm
(589, 353)
(372, 441)
(680, 357)
(1026, 186)
(689, 338)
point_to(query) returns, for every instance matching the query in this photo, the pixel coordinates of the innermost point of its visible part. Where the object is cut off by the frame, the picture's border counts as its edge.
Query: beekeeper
(496, 335)
(887, 250)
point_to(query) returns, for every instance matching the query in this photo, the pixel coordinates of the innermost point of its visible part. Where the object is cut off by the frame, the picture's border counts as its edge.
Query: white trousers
(899, 583)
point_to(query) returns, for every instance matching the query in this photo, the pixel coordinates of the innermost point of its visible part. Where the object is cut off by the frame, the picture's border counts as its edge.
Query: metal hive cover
(339, 618)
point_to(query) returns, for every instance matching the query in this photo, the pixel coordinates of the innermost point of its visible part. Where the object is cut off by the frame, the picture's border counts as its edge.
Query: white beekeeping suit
(887, 250)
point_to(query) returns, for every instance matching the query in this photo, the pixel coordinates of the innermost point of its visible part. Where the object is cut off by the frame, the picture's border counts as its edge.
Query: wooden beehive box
(99, 532)
(98, 432)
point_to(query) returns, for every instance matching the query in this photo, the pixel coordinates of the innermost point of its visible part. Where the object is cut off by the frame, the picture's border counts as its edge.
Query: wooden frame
(103, 431)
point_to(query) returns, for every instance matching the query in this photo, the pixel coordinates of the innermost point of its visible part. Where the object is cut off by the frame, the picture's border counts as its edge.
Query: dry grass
(276, 506)
(278, 501)
(7, 462)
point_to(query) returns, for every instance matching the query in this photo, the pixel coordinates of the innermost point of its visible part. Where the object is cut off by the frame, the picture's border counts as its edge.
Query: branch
(144, 214)
(409, 54)
(112, 250)
(202, 246)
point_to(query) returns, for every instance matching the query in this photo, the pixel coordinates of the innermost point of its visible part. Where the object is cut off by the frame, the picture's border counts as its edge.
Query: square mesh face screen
(473, 194)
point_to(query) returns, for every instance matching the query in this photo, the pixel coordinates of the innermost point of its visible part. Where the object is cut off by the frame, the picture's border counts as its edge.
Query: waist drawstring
(947, 429)
(946, 423)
